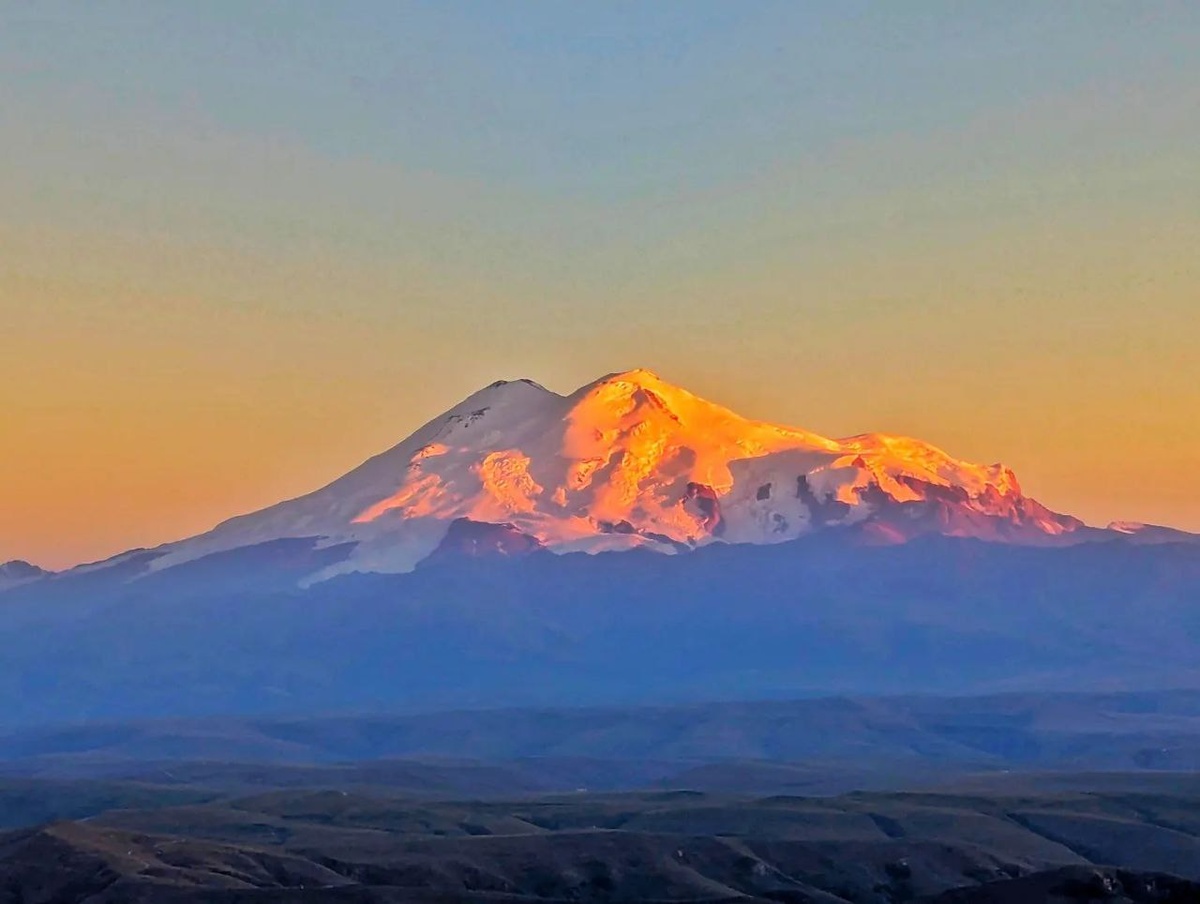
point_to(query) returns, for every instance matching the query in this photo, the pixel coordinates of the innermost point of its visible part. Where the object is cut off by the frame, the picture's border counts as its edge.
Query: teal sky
(245, 245)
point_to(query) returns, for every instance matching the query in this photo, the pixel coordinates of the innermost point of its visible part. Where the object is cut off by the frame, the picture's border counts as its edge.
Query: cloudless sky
(243, 246)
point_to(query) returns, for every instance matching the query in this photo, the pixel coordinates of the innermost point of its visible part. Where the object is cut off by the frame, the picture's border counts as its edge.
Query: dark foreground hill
(337, 846)
(232, 633)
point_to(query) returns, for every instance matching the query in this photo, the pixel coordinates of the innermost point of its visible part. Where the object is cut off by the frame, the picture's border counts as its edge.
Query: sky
(244, 246)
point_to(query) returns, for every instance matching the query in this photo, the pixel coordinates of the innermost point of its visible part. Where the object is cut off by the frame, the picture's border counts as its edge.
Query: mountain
(457, 569)
(17, 572)
(631, 461)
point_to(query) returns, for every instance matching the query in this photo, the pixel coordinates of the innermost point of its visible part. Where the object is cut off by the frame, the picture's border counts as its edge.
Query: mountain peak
(517, 384)
(641, 376)
(19, 572)
(501, 390)
(625, 383)
(632, 387)
(19, 568)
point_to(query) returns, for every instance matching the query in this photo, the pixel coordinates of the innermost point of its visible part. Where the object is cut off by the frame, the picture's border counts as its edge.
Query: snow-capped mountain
(631, 461)
(363, 595)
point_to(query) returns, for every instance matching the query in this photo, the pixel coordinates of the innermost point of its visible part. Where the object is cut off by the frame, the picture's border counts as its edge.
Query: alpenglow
(631, 461)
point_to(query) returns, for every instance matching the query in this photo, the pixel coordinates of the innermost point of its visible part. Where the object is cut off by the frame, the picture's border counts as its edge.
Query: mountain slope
(231, 633)
(632, 461)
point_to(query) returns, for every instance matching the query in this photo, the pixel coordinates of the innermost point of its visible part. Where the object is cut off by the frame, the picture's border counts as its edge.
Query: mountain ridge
(17, 572)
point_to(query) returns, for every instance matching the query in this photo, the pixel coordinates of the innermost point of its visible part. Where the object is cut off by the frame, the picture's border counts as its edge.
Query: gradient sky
(243, 246)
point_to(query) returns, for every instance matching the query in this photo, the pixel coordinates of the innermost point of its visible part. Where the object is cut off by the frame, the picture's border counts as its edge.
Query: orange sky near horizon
(242, 250)
(114, 440)
(151, 389)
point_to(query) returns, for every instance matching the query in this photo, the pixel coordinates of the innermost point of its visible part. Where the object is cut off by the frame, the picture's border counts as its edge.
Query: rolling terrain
(1020, 797)
(622, 747)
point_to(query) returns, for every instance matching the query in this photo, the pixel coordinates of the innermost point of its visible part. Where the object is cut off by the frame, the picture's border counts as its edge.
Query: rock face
(477, 539)
(632, 461)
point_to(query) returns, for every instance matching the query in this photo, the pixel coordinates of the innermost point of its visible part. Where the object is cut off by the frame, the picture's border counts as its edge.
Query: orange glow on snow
(619, 455)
